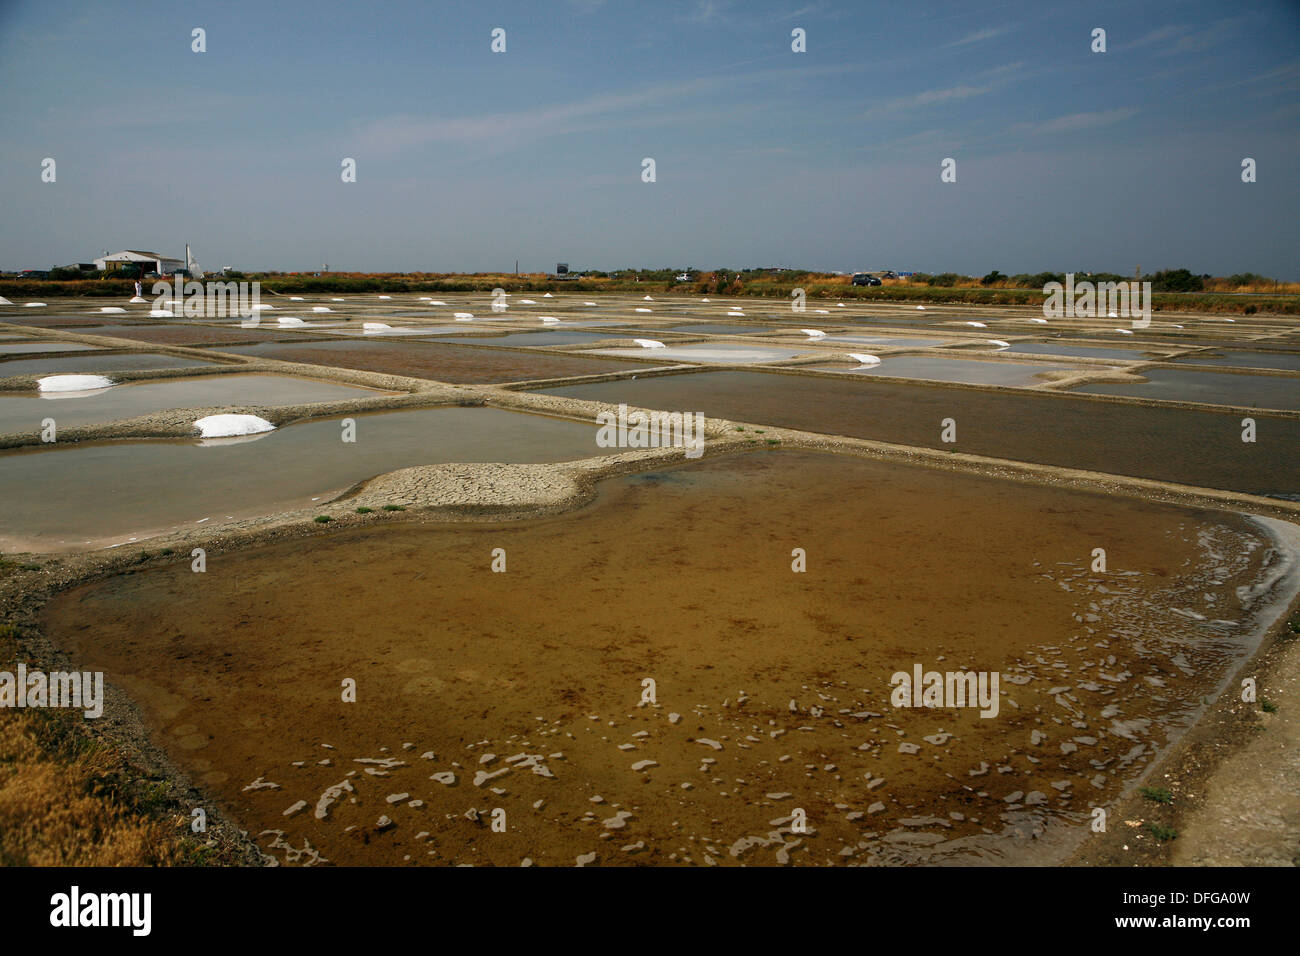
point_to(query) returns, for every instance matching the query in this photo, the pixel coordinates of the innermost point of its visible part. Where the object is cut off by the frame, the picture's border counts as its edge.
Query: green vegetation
(322, 519)
(1158, 794)
(1161, 832)
(1172, 288)
(394, 507)
(1268, 706)
(364, 510)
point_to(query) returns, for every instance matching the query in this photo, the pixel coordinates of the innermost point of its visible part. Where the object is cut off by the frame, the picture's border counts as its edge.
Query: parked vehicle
(865, 278)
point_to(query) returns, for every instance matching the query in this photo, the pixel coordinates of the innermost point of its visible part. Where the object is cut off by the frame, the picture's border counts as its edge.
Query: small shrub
(1158, 794)
(394, 507)
(1268, 706)
(364, 510)
(1161, 832)
(323, 519)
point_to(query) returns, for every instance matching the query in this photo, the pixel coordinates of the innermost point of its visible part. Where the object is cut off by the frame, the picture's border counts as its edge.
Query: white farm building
(148, 261)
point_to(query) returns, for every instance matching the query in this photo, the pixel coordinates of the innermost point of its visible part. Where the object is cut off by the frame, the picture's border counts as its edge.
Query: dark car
(34, 274)
(862, 278)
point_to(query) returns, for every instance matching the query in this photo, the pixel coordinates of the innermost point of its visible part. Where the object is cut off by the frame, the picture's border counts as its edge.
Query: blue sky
(468, 160)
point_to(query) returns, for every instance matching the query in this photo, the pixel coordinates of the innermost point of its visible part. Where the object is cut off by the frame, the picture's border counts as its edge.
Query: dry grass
(64, 800)
(70, 798)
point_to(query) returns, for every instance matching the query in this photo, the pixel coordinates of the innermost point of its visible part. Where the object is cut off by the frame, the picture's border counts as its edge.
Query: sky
(468, 160)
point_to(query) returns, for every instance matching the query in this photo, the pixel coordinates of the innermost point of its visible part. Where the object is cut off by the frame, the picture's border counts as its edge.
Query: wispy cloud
(952, 94)
(979, 36)
(1073, 122)
(707, 11)
(801, 12)
(1179, 38)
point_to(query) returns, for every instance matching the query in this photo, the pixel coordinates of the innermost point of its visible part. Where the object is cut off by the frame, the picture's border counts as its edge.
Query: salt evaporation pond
(1080, 351)
(115, 362)
(1166, 443)
(399, 330)
(715, 329)
(725, 354)
(436, 361)
(194, 334)
(1215, 388)
(106, 492)
(25, 412)
(25, 348)
(941, 369)
(890, 340)
(528, 339)
(1099, 672)
(1289, 361)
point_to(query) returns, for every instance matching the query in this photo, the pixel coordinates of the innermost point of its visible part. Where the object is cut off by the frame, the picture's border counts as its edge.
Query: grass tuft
(1161, 832)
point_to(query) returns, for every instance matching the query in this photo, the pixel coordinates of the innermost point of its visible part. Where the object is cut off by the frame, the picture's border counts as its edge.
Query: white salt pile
(161, 314)
(648, 299)
(225, 426)
(650, 343)
(464, 316)
(436, 302)
(548, 296)
(374, 326)
(977, 325)
(320, 308)
(136, 299)
(295, 298)
(385, 297)
(290, 320)
(4, 301)
(549, 319)
(920, 308)
(73, 383)
(35, 305)
(814, 333)
(864, 359)
(998, 343)
(643, 310)
(527, 302)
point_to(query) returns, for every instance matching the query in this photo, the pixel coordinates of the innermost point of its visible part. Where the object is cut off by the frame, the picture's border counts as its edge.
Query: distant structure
(192, 268)
(147, 261)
